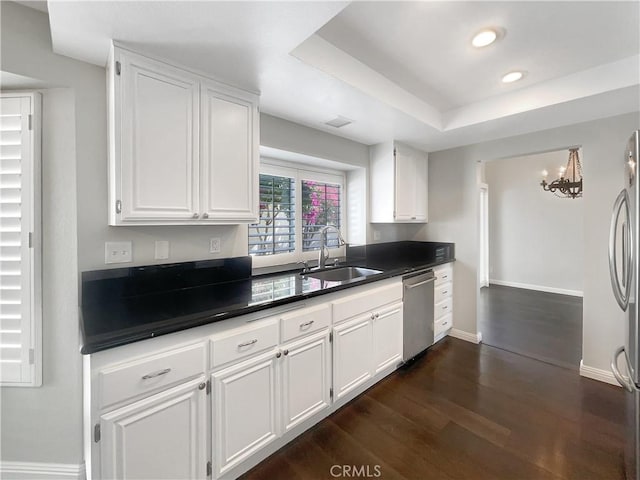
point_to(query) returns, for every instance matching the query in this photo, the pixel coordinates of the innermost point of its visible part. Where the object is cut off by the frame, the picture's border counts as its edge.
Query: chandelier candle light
(569, 185)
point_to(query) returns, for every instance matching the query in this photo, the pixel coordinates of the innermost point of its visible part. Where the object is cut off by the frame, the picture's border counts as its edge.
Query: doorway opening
(531, 261)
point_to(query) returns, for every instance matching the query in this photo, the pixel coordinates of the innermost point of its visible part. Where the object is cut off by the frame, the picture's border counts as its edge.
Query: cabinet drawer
(244, 341)
(308, 320)
(442, 325)
(145, 375)
(442, 308)
(442, 292)
(366, 301)
(443, 273)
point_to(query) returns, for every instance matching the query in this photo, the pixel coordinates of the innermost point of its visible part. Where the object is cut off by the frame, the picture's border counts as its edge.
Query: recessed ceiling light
(484, 38)
(512, 76)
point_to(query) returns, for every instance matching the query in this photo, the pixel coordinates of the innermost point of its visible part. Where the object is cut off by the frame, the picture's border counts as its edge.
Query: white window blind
(19, 264)
(295, 204)
(275, 231)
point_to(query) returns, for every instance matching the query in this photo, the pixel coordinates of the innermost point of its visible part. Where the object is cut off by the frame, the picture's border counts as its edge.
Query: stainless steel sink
(342, 274)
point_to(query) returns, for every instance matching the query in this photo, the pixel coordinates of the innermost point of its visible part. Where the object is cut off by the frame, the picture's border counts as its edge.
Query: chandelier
(569, 185)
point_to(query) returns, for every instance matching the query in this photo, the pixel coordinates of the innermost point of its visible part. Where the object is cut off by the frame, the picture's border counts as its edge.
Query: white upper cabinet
(229, 154)
(398, 184)
(183, 149)
(157, 162)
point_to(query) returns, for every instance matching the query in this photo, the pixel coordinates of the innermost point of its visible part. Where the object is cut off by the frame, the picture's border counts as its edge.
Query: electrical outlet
(117, 252)
(214, 245)
(376, 235)
(162, 250)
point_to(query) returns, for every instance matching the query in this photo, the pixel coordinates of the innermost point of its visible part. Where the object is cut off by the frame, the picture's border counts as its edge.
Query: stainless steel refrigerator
(623, 266)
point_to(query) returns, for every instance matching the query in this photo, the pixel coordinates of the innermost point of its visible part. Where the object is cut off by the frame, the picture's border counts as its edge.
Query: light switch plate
(117, 252)
(214, 245)
(162, 250)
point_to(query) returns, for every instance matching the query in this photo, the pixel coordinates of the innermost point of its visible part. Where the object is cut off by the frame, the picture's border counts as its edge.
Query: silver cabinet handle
(306, 324)
(205, 215)
(626, 382)
(156, 374)
(247, 344)
(409, 287)
(195, 215)
(444, 292)
(444, 307)
(373, 316)
(444, 277)
(377, 315)
(279, 354)
(622, 297)
(286, 352)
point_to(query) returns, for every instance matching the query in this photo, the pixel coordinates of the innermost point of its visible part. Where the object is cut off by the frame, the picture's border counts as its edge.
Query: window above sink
(296, 202)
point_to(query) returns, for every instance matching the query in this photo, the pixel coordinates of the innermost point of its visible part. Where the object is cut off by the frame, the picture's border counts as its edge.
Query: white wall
(535, 238)
(453, 200)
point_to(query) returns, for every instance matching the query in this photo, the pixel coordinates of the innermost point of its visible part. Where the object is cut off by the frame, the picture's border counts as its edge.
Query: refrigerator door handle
(625, 381)
(622, 296)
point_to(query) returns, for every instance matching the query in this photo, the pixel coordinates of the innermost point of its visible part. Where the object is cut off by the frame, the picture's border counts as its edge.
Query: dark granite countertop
(125, 305)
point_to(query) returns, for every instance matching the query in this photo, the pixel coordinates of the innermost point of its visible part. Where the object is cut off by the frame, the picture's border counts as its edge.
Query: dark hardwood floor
(541, 325)
(465, 411)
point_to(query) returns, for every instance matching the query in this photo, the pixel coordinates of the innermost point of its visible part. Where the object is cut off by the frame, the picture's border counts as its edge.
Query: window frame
(31, 239)
(300, 172)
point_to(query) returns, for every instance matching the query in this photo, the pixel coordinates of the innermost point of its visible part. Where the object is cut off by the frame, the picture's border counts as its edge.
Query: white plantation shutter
(19, 265)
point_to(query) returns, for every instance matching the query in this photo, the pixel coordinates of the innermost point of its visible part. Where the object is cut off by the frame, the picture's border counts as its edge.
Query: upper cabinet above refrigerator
(398, 184)
(183, 149)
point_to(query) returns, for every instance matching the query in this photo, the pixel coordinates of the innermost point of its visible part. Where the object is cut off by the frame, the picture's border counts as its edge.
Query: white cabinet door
(399, 184)
(229, 155)
(160, 437)
(156, 160)
(305, 379)
(387, 337)
(405, 186)
(352, 360)
(421, 186)
(245, 417)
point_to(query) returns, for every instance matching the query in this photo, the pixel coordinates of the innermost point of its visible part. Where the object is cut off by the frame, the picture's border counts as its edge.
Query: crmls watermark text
(356, 471)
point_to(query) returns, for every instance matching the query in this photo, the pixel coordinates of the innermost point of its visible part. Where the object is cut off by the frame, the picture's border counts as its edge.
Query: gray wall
(48, 420)
(45, 424)
(534, 236)
(453, 197)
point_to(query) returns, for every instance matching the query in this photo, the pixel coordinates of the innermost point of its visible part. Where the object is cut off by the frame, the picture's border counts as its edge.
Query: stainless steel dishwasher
(418, 313)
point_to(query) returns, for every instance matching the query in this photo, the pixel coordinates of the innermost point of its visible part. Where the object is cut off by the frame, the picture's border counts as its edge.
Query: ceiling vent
(339, 122)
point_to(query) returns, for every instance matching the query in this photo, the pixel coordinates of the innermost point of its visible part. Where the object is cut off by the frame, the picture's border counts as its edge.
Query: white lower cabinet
(245, 413)
(365, 346)
(387, 337)
(352, 362)
(206, 404)
(258, 400)
(306, 379)
(443, 301)
(163, 436)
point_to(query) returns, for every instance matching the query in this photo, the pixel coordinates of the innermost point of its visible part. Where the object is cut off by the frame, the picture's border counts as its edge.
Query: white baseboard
(596, 374)
(41, 471)
(466, 336)
(539, 288)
